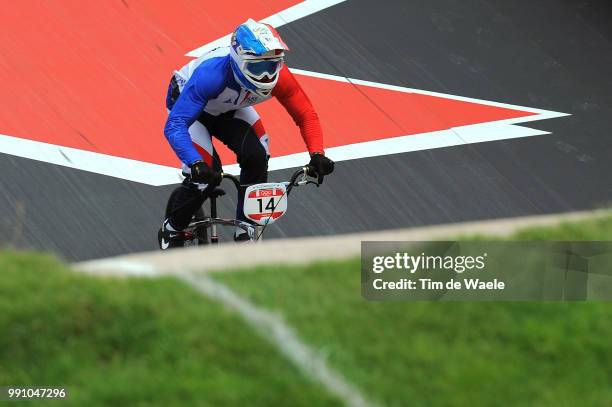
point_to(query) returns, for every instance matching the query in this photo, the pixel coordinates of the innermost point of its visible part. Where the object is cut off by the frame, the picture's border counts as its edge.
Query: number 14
(269, 207)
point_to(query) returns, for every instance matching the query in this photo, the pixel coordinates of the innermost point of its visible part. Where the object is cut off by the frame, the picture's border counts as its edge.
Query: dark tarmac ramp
(554, 55)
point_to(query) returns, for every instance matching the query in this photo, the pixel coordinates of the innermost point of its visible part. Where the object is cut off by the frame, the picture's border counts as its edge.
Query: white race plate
(265, 203)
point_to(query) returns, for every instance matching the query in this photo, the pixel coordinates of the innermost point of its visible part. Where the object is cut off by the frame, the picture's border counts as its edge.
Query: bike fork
(214, 238)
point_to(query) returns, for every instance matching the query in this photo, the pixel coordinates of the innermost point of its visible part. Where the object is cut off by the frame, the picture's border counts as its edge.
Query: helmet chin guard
(257, 54)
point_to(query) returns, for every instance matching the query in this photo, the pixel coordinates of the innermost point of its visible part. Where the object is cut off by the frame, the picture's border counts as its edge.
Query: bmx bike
(264, 204)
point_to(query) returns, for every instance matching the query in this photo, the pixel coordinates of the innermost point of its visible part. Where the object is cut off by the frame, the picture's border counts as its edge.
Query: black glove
(322, 165)
(201, 173)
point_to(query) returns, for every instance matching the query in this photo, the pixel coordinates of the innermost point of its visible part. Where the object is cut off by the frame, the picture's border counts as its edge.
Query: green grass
(439, 354)
(147, 342)
(134, 342)
(599, 228)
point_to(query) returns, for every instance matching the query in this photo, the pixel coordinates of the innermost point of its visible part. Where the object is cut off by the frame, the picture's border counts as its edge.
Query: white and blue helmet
(257, 53)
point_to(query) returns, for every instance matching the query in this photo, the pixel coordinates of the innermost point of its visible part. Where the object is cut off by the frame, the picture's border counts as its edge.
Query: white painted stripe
(118, 167)
(493, 131)
(157, 175)
(404, 144)
(284, 338)
(543, 114)
(426, 141)
(281, 18)
(395, 145)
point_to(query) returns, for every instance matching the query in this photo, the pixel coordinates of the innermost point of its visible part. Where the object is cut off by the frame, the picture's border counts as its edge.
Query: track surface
(553, 55)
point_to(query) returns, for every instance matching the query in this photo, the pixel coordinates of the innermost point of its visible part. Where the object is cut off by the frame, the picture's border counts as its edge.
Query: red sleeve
(291, 95)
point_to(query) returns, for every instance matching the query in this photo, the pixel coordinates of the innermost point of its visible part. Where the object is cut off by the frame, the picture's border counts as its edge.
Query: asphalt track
(554, 55)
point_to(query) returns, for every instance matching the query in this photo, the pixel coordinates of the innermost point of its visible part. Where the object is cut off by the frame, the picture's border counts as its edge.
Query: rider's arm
(188, 107)
(291, 95)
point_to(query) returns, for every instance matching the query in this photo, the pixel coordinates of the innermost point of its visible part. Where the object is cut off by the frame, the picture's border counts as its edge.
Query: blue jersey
(207, 84)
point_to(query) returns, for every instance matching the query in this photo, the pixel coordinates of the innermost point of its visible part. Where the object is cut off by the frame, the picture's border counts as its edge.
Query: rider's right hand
(201, 173)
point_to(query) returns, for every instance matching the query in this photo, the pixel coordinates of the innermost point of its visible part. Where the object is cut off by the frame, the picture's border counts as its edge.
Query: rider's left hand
(322, 165)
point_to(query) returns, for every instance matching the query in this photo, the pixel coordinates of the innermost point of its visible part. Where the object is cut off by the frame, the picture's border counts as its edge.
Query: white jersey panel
(233, 97)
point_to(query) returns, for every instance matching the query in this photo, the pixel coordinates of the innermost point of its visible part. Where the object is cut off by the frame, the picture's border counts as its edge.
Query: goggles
(260, 68)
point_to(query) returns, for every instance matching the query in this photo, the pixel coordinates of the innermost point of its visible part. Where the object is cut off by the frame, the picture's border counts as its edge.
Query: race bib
(265, 203)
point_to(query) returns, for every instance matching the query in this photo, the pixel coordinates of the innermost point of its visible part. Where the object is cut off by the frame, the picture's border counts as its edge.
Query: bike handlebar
(307, 170)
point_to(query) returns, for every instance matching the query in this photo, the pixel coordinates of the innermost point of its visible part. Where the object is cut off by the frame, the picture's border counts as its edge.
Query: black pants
(238, 136)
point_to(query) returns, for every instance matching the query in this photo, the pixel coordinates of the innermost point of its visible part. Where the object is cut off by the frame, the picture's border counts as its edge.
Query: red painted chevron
(94, 77)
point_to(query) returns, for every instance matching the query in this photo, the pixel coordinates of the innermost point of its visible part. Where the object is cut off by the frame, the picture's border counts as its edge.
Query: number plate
(265, 203)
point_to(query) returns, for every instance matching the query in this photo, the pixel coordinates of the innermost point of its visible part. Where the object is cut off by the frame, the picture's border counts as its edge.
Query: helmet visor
(258, 69)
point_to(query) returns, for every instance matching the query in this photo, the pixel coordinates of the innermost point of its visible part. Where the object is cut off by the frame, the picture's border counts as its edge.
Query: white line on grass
(283, 337)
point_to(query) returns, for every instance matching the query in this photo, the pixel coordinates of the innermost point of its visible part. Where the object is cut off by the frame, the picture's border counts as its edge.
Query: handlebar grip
(310, 170)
